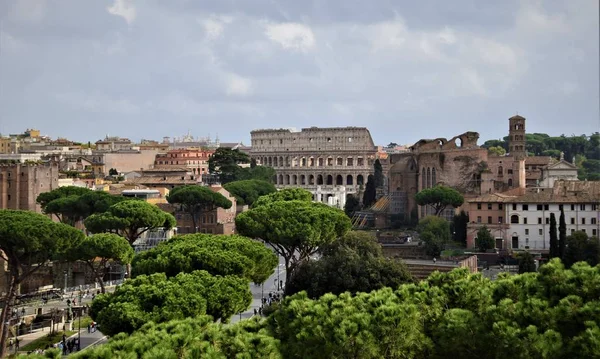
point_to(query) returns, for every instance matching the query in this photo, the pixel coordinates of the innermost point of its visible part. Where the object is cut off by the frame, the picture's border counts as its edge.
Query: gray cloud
(145, 69)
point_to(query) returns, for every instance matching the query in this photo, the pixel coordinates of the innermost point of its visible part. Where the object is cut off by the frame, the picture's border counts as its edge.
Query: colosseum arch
(433, 177)
(275, 162)
(329, 180)
(320, 161)
(339, 180)
(360, 180)
(294, 180)
(349, 180)
(311, 179)
(280, 180)
(339, 161)
(287, 161)
(428, 177)
(270, 161)
(311, 161)
(287, 179)
(423, 178)
(319, 179)
(302, 180)
(303, 162)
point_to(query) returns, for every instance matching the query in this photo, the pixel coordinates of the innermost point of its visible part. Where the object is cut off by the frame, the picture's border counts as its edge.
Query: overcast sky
(405, 69)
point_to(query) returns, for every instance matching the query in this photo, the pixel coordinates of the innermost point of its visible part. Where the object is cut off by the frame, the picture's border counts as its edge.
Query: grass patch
(43, 342)
(85, 321)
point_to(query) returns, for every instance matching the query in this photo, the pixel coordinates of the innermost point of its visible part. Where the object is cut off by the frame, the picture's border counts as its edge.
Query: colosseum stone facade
(329, 162)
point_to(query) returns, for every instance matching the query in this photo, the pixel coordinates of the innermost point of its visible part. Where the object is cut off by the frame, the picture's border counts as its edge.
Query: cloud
(292, 36)
(214, 25)
(32, 11)
(98, 103)
(123, 8)
(236, 85)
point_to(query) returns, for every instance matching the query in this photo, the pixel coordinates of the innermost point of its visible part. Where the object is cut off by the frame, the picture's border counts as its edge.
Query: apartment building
(195, 160)
(520, 219)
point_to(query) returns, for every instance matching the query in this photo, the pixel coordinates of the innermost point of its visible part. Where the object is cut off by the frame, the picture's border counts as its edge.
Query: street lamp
(79, 330)
(66, 276)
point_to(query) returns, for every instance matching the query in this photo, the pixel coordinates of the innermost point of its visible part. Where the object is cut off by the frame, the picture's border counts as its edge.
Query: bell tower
(516, 137)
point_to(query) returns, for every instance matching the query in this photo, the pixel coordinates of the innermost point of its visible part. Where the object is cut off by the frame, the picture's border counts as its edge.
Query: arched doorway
(349, 180)
(319, 179)
(339, 180)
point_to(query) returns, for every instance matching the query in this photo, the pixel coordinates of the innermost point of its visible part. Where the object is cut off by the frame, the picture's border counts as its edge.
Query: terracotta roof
(538, 160)
(154, 180)
(167, 169)
(563, 192)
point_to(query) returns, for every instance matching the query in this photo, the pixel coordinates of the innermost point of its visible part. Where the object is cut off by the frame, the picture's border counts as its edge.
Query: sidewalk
(87, 339)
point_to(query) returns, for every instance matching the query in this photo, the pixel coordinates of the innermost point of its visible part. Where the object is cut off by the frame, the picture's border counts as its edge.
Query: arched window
(275, 162)
(287, 179)
(428, 177)
(339, 180)
(514, 219)
(510, 182)
(423, 179)
(320, 179)
(433, 179)
(500, 170)
(294, 180)
(311, 180)
(360, 180)
(302, 179)
(329, 180)
(349, 180)
(280, 179)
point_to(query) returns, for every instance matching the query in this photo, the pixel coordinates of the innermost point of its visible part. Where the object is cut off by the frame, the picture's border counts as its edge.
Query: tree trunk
(288, 269)
(99, 278)
(194, 218)
(5, 313)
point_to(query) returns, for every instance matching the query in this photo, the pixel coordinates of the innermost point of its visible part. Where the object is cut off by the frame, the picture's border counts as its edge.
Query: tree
(526, 263)
(130, 219)
(46, 197)
(378, 174)
(485, 240)
(197, 199)
(225, 163)
(435, 233)
(159, 299)
(392, 145)
(113, 172)
(352, 205)
(554, 249)
(370, 195)
(562, 234)
(295, 229)
(497, 151)
(581, 248)
(352, 264)
(287, 194)
(459, 227)
(439, 197)
(98, 250)
(217, 254)
(248, 191)
(73, 208)
(29, 241)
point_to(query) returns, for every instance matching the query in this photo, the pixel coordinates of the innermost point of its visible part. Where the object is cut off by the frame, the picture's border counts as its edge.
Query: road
(260, 291)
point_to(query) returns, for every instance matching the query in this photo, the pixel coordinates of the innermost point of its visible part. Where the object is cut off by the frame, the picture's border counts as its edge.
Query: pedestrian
(255, 311)
(89, 327)
(17, 343)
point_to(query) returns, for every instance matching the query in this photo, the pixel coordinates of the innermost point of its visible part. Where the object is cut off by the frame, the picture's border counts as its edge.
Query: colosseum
(329, 162)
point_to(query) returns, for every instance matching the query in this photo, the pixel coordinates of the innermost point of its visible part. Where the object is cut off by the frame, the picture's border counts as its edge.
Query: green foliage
(225, 163)
(370, 195)
(295, 229)
(287, 194)
(99, 249)
(352, 205)
(581, 248)
(217, 254)
(196, 199)
(72, 204)
(435, 233)
(190, 338)
(130, 219)
(562, 234)
(352, 264)
(158, 299)
(113, 172)
(378, 174)
(28, 242)
(439, 197)
(496, 151)
(526, 263)
(248, 191)
(485, 240)
(554, 250)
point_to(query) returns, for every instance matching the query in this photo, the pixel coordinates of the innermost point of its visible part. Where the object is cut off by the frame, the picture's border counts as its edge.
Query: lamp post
(66, 277)
(79, 330)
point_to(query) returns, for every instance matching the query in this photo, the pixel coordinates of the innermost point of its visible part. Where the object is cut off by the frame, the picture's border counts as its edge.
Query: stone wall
(20, 184)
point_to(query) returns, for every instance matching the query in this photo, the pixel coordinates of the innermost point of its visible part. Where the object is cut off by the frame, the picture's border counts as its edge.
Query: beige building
(193, 159)
(113, 144)
(329, 162)
(20, 184)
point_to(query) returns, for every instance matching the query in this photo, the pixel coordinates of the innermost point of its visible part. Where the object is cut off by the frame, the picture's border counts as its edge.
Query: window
(594, 232)
(572, 231)
(546, 207)
(526, 231)
(540, 231)
(572, 220)
(478, 205)
(514, 206)
(489, 206)
(547, 220)
(539, 220)
(583, 221)
(509, 172)
(500, 206)
(489, 219)
(539, 207)
(572, 207)
(526, 207)
(560, 207)
(9, 197)
(582, 207)
(478, 219)
(593, 220)
(514, 219)
(500, 219)
(524, 220)
(594, 207)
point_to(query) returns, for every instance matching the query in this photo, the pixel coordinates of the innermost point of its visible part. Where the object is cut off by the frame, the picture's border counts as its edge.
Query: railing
(79, 288)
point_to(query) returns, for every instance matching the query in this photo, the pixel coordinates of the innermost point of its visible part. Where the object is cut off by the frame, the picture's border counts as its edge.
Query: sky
(406, 70)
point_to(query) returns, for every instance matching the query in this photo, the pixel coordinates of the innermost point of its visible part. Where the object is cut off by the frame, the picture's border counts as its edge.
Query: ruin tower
(516, 137)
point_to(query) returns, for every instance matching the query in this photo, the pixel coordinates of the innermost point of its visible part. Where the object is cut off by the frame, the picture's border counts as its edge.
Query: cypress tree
(369, 197)
(562, 234)
(378, 172)
(554, 250)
